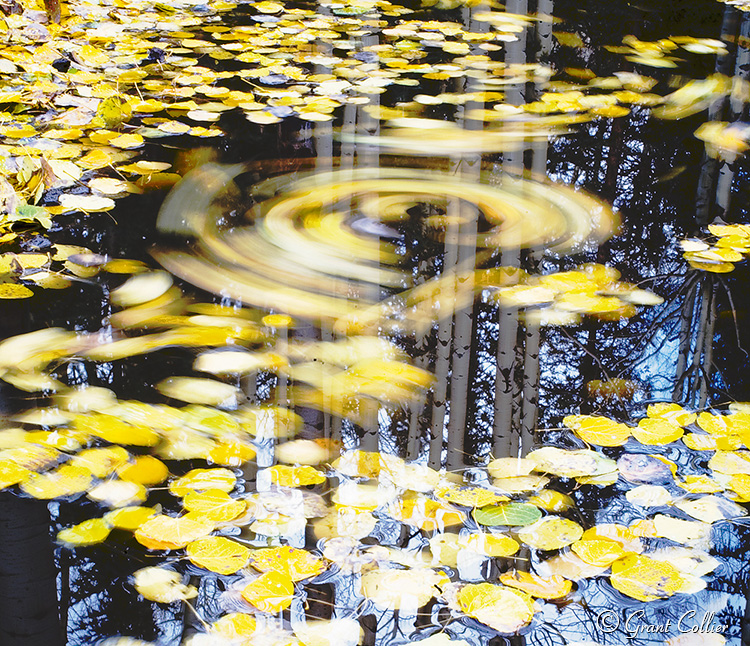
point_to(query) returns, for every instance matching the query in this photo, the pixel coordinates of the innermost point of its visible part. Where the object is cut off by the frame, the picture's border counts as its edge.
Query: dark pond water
(498, 379)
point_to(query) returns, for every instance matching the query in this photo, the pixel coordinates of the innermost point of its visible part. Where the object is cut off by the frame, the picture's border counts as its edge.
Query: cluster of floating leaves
(255, 540)
(562, 298)
(729, 244)
(80, 98)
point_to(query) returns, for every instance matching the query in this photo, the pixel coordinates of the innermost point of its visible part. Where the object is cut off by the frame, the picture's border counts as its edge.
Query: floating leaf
(161, 585)
(562, 463)
(118, 493)
(681, 531)
(234, 626)
(200, 391)
(66, 481)
(468, 496)
(598, 430)
(649, 496)
(203, 480)
(270, 592)
(141, 289)
(551, 533)
(129, 518)
(710, 509)
(504, 609)
(86, 203)
(89, 532)
(333, 632)
(426, 514)
(145, 469)
(656, 431)
(396, 589)
(598, 551)
(218, 554)
(14, 290)
(214, 504)
(553, 588)
(288, 476)
(168, 533)
(645, 579)
(509, 513)
(296, 564)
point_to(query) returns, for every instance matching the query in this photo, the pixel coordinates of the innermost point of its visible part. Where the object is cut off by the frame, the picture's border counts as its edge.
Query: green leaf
(508, 513)
(30, 213)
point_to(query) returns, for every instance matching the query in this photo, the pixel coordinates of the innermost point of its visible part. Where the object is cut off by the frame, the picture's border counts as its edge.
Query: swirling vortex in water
(321, 247)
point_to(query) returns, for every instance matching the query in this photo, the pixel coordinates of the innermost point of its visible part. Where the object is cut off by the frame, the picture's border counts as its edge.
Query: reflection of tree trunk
(684, 342)
(711, 167)
(28, 588)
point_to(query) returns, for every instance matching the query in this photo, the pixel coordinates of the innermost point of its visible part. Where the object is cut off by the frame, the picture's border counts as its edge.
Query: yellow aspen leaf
(553, 588)
(113, 430)
(214, 504)
(14, 290)
(195, 390)
(562, 463)
(700, 484)
(270, 592)
(32, 457)
(292, 562)
(551, 533)
(11, 473)
(162, 585)
(510, 467)
(118, 493)
(630, 541)
(92, 56)
(145, 469)
(141, 288)
(344, 521)
(427, 514)
(740, 484)
(231, 453)
(730, 462)
(709, 509)
(89, 532)
(642, 528)
(127, 141)
(289, 476)
(671, 412)
(504, 609)
(649, 496)
(553, 501)
(570, 566)
(101, 461)
(129, 518)
(65, 481)
(332, 632)
(396, 589)
(168, 533)
(521, 484)
(598, 430)
(362, 464)
(598, 551)
(703, 442)
(468, 496)
(656, 431)
(715, 424)
(234, 626)
(203, 480)
(490, 544)
(645, 579)
(218, 554)
(681, 531)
